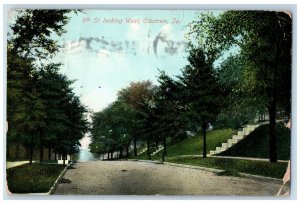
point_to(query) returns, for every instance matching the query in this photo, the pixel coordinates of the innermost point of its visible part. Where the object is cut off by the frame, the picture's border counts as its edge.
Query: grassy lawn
(37, 178)
(257, 144)
(274, 170)
(193, 145)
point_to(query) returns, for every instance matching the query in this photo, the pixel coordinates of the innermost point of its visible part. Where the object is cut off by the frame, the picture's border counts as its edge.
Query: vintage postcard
(148, 102)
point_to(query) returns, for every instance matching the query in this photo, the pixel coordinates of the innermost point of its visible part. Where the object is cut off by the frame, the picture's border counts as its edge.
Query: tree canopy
(42, 109)
(264, 40)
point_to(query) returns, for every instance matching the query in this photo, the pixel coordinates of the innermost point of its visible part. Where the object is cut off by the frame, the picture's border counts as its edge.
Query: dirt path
(139, 178)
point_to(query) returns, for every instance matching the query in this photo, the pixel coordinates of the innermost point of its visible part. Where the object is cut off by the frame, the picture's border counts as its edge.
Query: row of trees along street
(255, 78)
(42, 110)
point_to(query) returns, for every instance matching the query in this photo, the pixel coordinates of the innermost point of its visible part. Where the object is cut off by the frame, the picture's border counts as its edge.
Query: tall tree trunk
(204, 127)
(127, 151)
(165, 146)
(49, 153)
(121, 152)
(156, 144)
(134, 146)
(272, 132)
(27, 151)
(31, 150)
(64, 161)
(55, 155)
(41, 148)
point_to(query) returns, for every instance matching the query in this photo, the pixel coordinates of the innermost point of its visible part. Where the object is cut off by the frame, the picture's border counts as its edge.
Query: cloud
(98, 99)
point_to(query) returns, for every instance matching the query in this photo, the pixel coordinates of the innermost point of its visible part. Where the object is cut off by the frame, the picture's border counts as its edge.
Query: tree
(55, 91)
(32, 31)
(264, 38)
(202, 91)
(26, 109)
(17, 78)
(240, 107)
(30, 41)
(112, 129)
(139, 97)
(168, 110)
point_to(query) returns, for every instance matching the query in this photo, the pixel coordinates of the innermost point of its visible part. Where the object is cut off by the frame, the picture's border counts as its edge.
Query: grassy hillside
(193, 145)
(257, 144)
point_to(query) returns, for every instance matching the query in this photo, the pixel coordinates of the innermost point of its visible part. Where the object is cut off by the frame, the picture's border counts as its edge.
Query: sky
(105, 50)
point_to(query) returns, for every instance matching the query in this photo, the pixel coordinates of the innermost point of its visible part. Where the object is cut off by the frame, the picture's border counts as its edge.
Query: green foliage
(264, 39)
(169, 111)
(202, 93)
(35, 178)
(112, 128)
(33, 30)
(240, 107)
(42, 108)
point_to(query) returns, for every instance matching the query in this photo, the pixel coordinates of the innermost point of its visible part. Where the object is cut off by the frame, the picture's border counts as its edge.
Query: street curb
(58, 179)
(194, 167)
(250, 176)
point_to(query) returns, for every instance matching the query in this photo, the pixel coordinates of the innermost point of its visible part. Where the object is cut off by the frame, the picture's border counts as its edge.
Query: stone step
(241, 133)
(158, 150)
(220, 149)
(252, 126)
(142, 152)
(225, 145)
(238, 137)
(233, 141)
(217, 152)
(230, 142)
(249, 128)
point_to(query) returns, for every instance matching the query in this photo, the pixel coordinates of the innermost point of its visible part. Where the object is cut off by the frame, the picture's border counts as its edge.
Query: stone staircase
(141, 152)
(235, 138)
(160, 148)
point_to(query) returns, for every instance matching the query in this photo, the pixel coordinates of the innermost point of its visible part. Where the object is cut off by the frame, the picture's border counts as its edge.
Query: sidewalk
(15, 163)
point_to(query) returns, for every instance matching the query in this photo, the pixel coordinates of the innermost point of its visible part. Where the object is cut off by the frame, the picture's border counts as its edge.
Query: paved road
(141, 178)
